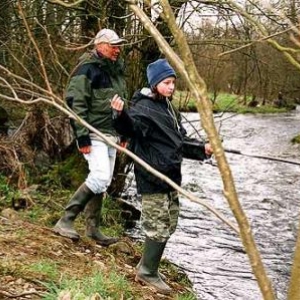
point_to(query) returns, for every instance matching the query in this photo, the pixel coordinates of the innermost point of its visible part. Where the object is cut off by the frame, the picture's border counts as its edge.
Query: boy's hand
(208, 149)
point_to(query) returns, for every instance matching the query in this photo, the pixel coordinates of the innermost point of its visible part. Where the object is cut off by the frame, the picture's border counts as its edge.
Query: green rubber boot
(64, 226)
(147, 270)
(161, 275)
(92, 216)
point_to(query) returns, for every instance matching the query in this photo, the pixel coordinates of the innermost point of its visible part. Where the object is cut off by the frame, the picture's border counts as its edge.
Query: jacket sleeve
(193, 149)
(132, 124)
(78, 98)
(123, 124)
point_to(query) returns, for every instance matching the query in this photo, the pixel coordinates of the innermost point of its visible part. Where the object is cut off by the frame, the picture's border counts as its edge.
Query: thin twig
(254, 42)
(67, 111)
(9, 295)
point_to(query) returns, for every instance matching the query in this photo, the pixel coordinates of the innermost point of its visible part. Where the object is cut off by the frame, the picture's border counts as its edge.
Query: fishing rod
(262, 157)
(233, 151)
(194, 146)
(238, 152)
(215, 116)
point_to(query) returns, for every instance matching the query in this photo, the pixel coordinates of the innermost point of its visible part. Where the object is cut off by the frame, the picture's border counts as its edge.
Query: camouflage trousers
(160, 215)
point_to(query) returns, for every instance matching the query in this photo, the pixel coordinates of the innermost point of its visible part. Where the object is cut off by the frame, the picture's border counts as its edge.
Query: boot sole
(140, 280)
(64, 234)
(104, 242)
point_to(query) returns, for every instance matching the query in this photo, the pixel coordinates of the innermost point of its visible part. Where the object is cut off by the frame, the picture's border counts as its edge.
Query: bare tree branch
(197, 86)
(52, 100)
(64, 4)
(263, 33)
(261, 40)
(44, 72)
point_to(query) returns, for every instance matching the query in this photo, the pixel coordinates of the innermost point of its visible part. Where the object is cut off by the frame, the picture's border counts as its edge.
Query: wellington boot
(64, 226)
(161, 275)
(92, 216)
(147, 270)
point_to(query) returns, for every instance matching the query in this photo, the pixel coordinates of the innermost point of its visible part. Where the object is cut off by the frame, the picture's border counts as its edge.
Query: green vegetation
(4, 186)
(62, 174)
(225, 103)
(296, 139)
(45, 268)
(113, 286)
(54, 266)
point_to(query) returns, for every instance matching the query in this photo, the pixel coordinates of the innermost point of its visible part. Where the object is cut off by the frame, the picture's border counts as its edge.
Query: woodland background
(233, 49)
(246, 48)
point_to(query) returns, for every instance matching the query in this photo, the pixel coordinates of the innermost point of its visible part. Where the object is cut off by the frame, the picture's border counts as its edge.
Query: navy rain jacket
(158, 138)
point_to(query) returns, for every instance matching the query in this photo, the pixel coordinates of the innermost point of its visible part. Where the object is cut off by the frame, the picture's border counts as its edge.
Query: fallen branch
(13, 296)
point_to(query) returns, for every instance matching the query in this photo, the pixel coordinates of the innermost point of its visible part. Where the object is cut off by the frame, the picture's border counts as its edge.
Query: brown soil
(23, 244)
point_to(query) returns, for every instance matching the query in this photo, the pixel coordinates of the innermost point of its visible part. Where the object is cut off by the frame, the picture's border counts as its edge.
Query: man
(98, 78)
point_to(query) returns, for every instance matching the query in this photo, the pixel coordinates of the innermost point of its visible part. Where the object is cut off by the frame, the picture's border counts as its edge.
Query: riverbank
(35, 263)
(224, 102)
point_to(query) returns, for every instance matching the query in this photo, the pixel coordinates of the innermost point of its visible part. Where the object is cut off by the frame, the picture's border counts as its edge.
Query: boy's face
(166, 87)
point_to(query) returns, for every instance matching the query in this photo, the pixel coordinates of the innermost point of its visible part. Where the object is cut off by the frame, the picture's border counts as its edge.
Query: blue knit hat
(158, 71)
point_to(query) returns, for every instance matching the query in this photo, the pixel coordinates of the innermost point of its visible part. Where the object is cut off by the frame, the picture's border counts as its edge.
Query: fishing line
(229, 117)
(196, 131)
(247, 154)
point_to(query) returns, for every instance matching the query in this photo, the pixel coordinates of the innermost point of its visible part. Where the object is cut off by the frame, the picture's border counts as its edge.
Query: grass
(186, 297)
(5, 188)
(96, 286)
(113, 286)
(46, 268)
(56, 266)
(224, 103)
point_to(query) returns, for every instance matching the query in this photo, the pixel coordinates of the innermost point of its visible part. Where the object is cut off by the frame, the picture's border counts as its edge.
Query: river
(208, 250)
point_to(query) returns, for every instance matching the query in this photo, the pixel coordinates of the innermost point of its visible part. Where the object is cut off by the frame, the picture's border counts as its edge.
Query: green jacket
(93, 84)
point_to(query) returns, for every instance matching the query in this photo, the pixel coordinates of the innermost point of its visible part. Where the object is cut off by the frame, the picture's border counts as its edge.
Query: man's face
(111, 52)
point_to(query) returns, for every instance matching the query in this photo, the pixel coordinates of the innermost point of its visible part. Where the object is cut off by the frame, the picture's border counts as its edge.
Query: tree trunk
(294, 288)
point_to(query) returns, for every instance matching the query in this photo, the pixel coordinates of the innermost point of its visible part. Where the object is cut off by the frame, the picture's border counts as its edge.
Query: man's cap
(158, 71)
(108, 36)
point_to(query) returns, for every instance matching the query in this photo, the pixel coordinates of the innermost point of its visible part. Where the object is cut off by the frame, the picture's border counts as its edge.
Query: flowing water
(208, 250)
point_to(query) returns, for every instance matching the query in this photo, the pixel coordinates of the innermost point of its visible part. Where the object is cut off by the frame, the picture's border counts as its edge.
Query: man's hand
(85, 149)
(124, 144)
(117, 103)
(208, 149)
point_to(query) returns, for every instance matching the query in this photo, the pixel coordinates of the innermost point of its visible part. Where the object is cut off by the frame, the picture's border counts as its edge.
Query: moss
(296, 139)
(69, 173)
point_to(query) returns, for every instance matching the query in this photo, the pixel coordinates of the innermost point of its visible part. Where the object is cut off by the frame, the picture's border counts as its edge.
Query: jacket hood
(145, 93)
